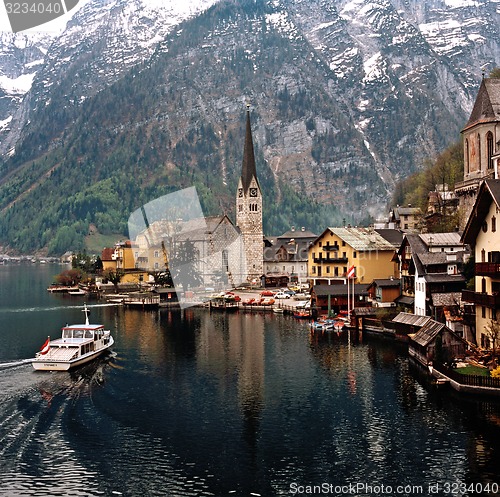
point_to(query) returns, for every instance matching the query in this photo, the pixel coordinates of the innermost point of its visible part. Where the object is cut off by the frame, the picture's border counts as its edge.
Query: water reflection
(199, 403)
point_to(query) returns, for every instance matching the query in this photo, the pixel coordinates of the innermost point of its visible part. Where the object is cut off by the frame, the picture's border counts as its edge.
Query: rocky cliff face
(22, 56)
(347, 96)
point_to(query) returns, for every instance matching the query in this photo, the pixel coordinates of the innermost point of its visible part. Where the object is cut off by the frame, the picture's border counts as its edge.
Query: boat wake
(35, 414)
(54, 308)
(14, 364)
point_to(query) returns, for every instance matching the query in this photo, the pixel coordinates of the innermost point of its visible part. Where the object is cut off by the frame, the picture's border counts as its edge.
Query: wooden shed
(435, 342)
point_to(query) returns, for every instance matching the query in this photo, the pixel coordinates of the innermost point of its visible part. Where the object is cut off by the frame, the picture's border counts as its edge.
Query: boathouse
(435, 342)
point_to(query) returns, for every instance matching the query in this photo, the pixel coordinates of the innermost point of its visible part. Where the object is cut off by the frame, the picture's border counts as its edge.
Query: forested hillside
(448, 168)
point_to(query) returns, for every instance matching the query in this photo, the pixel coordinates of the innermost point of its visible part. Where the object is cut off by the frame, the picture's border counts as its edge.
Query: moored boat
(79, 344)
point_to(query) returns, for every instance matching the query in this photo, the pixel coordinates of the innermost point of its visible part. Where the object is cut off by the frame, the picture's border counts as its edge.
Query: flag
(352, 272)
(45, 347)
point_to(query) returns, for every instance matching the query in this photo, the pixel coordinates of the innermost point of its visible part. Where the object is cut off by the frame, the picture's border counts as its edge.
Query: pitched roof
(411, 319)
(428, 332)
(489, 191)
(107, 254)
(447, 299)
(487, 105)
(444, 278)
(194, 230)
(433, 239)
(394, 237)
(444, 258)
(248, 169)
(339, 290)
(386, 282)
(302, 233)
(361, 239)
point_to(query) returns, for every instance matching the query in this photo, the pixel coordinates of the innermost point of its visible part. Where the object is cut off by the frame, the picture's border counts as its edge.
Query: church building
(481, 142)
(249, 211)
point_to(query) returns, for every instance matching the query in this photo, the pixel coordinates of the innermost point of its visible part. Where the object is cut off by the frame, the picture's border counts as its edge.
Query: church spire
(248, 170)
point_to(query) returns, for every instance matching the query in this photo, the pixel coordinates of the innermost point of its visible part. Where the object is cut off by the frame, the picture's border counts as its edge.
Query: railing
(487, 269)
(468, 379)
(481, 298)
(331, 248)
(338, 260)
(466, 185)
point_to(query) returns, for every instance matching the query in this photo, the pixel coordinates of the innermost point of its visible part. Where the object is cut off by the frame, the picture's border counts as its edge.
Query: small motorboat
(79, 344)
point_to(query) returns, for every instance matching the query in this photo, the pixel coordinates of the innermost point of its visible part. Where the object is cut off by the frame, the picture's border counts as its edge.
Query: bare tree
(493, 333)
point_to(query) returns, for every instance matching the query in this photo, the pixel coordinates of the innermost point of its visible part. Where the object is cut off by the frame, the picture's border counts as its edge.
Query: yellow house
(336, 250)
(122, 257)
(483, 233)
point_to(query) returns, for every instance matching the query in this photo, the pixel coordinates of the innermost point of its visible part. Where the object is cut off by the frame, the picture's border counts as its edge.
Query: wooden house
(435, 342)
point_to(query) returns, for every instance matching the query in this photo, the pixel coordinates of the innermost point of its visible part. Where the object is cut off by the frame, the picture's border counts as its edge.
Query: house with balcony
(338, 249)
(482, 232)
(431, 268)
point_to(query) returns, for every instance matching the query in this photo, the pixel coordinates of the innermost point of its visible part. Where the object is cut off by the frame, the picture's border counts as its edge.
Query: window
(157, 254)
(320, 244)
(336, 271)
(485, 227)
(483, 312)
(343, 243)
(467, 169)
(156, 265)
(225, 261)
(489, 147)
(314, 270)
(354, 255)
(493, 224)
(240, 208)
(328, 269)
(483, 286)
(479, 150)
(483, 255)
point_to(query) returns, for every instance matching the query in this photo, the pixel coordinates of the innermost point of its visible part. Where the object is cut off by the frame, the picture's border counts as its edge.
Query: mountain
(347, 97)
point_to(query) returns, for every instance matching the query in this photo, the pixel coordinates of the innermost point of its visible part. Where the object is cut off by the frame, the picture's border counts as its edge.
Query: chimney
(293, 228)
(303, 228)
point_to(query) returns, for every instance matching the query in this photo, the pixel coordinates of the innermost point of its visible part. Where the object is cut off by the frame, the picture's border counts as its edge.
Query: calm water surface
(199, 404)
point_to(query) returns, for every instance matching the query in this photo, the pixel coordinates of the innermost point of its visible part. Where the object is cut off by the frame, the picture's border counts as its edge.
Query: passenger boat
(79, 344)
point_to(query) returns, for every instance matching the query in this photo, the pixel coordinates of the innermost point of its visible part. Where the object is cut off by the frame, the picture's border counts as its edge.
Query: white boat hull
(45, 364)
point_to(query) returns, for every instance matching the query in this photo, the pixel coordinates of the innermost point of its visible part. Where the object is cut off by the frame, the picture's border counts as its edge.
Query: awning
(405, 300)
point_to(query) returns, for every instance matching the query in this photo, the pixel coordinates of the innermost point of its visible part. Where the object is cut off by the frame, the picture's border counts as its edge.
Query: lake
(195, 403)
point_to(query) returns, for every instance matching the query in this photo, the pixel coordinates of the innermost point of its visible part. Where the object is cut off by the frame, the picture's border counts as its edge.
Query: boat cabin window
(77, 334)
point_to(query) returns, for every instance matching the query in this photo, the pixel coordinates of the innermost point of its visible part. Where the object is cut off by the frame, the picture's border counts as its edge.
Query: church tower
(481, 145)
(249, 210)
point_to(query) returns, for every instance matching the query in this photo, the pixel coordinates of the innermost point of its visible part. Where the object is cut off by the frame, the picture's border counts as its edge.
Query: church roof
(487, 104)
(248, 169)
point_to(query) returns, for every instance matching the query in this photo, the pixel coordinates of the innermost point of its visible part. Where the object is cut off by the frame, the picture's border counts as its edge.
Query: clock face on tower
(240, 192)
(253, 192)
